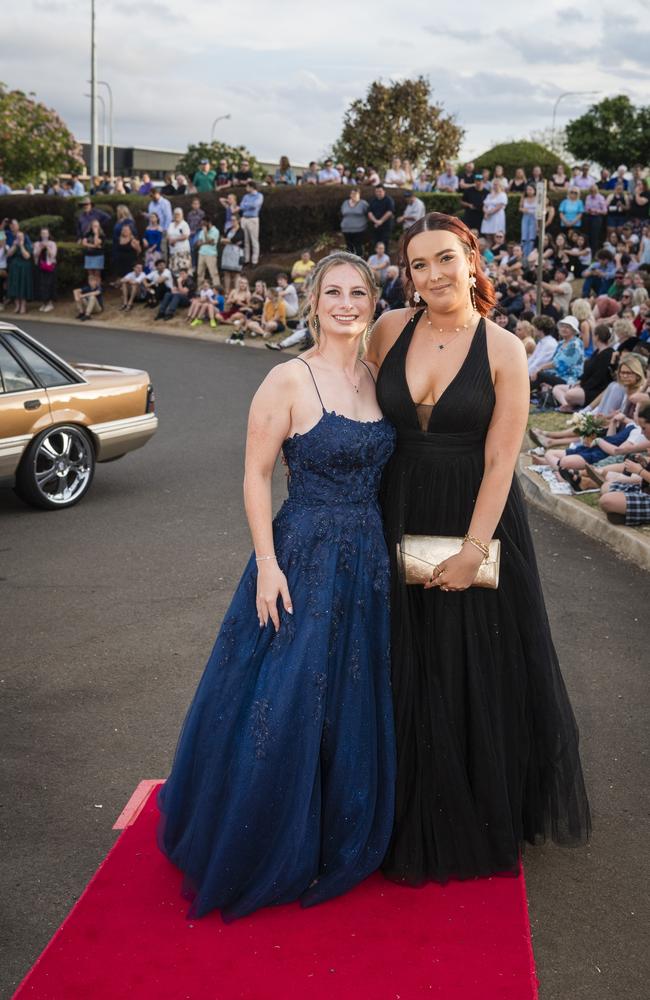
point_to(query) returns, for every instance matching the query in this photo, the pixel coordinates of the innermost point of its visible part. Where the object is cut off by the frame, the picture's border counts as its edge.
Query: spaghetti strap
(368, 370)
(314, 381)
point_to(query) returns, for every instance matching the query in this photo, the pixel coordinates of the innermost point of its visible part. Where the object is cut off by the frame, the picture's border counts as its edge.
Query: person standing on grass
(152, 241)
(354, 222)
(207, 246)
(45, 251)
(381, 216)
(20, 261)
(413, 211)
(178, 241)
(249, 210)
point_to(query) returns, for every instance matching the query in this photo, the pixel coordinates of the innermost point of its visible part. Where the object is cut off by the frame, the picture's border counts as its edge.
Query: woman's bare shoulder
(385, 332)
(504, 348)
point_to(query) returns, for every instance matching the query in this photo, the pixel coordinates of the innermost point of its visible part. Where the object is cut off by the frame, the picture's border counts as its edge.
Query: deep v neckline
(433, 406)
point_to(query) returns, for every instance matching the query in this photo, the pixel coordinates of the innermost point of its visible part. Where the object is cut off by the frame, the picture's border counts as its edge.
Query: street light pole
(93, 95)
(103, 83)
(567, 93)
(99, 98)
(219, 118)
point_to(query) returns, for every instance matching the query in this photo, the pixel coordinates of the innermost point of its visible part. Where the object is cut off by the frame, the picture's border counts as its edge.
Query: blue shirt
(163, 210)
(251, 204)
(572, 209)
(569, 359)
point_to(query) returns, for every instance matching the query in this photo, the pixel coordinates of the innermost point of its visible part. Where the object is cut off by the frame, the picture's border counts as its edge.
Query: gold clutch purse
(418, 556)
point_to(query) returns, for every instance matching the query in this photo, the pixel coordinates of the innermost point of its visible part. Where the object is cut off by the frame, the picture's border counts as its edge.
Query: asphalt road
(109, 611)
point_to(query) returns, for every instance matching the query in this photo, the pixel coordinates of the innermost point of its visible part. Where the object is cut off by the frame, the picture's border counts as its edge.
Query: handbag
(418, 556)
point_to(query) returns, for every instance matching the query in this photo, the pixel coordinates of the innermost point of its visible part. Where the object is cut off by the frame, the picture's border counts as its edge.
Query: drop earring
(472, 291)
(416, 297)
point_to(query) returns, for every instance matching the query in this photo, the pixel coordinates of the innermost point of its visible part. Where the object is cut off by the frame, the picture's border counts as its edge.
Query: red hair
(484, 290)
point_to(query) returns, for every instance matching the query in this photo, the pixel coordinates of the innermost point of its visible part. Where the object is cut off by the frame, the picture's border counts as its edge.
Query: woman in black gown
(487, 742)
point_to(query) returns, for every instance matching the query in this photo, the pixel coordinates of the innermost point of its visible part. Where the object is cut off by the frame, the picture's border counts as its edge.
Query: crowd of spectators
(588, 341)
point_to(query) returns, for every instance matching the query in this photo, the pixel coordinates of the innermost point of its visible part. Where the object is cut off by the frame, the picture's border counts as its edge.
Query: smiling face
(344, 306)
(440, 267)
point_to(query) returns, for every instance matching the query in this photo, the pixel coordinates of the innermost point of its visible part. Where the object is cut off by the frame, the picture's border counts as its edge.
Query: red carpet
(127, 937)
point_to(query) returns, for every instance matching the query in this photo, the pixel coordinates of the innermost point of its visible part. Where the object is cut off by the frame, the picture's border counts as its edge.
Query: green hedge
(55, 224)
(520, 154)
(292, 219)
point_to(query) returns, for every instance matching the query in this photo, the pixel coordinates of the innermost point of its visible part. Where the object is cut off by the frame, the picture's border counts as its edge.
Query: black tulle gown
(487, 743)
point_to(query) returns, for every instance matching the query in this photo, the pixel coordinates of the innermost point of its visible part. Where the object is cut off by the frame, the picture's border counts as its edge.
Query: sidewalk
(630, 543)
(138, 319)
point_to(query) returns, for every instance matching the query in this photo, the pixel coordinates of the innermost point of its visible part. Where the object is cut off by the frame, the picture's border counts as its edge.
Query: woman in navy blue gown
(282, 786)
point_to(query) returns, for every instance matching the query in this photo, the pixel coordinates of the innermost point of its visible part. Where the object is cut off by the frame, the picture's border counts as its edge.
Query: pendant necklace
(456, 331)
(355, 385)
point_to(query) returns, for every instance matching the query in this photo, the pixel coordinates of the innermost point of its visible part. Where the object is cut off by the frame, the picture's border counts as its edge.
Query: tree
(611, 132)
(33, 139)
(215, 151)
(523, 154)
(397, 119)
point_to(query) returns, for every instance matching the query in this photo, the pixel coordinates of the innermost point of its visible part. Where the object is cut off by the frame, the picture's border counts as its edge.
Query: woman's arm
(505, 434)
(269, 423)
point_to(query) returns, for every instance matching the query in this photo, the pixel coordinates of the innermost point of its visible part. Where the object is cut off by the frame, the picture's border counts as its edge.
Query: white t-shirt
(395, 178)
(543, 352)
(413, 212)
(179, 229)
(289, 296)
(163, 277)
(136, 279)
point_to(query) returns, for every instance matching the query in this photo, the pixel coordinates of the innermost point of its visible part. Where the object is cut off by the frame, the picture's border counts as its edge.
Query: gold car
(57, 419)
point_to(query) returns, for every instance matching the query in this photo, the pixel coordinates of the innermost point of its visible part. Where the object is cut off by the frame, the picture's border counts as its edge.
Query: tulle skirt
(487, 743)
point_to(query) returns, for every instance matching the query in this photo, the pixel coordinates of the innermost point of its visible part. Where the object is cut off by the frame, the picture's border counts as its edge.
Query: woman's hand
(630, 466)
(271, 584)
(459, 571)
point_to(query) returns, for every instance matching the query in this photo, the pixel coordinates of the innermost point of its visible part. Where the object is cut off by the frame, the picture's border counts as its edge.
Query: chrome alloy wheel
(62, 465)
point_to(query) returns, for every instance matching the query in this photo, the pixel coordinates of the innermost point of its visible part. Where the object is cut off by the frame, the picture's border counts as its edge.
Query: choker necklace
(457, 330)
(355, 385)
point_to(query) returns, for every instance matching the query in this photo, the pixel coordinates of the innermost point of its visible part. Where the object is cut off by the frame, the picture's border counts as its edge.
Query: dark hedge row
(292, 219)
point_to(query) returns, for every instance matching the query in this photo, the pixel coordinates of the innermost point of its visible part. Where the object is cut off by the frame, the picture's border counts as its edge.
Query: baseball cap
(204, 161)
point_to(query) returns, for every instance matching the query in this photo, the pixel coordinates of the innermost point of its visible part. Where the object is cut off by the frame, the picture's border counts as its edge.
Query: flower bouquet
(587, 425)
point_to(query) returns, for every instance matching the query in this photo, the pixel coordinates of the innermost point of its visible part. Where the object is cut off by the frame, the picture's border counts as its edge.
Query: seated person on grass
(204, 303)
(624, 437)
(89, 298)
(625, 498)
(274, 318)
(133, 287)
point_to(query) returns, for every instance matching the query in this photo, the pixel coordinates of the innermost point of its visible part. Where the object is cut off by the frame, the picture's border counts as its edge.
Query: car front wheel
(57, 468)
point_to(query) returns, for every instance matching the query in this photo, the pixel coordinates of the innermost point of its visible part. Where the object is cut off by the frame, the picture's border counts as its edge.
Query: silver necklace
(355, 385)
(457, 330)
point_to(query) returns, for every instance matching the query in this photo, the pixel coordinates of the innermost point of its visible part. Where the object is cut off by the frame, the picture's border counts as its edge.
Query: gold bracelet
(478, 544)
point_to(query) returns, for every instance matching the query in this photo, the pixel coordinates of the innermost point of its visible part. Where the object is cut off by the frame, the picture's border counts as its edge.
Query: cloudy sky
(285, 71)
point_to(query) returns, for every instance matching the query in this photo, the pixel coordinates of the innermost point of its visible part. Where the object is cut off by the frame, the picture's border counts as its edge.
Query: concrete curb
(626, 542)
(166, 329)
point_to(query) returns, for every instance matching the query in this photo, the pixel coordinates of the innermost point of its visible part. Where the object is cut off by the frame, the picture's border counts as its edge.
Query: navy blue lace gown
(487, 744)
(282, 785)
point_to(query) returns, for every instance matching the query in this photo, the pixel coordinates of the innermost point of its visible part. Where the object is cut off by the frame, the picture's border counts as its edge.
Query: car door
(24, 410)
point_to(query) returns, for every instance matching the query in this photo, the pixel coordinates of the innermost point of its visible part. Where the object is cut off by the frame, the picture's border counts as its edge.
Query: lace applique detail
(260, 726)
